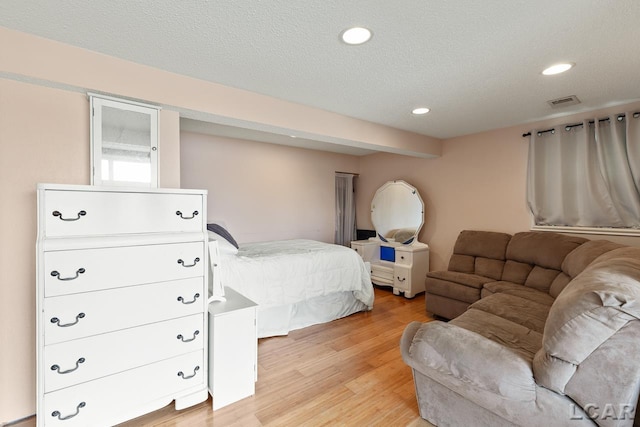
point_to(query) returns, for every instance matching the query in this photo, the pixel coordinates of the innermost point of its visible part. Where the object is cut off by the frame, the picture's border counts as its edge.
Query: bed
(296, 283)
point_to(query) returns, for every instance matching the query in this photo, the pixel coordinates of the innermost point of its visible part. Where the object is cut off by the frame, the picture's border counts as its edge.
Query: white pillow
(223, 245)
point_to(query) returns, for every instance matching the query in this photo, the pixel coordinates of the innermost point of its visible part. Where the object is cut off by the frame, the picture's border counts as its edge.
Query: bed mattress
(298, 283)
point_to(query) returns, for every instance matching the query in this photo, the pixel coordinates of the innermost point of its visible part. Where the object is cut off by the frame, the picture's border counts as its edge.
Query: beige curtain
(586, 175)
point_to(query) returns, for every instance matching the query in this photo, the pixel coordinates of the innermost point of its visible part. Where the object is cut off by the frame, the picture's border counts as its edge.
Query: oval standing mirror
(397, 212)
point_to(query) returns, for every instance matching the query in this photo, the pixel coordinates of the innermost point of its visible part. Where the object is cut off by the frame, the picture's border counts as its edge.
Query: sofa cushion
(578, 259)
(513, 336)
(471, 280)
(541, 278)
(457, 286)
(519, 310)
(516, 272)
(462, 263)
(558, 284)
(517, 290)
(488, 267)
(543, 249)
(487, 244)
(592, 308)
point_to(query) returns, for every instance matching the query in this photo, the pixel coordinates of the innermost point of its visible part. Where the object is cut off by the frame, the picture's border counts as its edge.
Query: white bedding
(297, 283)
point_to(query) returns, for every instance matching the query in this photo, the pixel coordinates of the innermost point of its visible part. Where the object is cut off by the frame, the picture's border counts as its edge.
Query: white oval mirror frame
(397, 212)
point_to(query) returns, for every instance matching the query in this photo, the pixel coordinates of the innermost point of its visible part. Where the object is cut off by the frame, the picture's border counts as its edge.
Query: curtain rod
(620, 117)
(349, 173)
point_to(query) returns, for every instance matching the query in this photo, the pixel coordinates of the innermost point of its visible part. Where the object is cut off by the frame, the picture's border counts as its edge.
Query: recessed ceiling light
(356, 35)
(419, 111)
(558, 68)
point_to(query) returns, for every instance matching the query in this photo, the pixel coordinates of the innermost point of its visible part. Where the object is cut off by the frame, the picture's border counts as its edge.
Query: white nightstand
(233, 349)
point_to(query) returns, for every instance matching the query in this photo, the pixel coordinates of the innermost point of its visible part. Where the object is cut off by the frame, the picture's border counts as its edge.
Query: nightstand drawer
(95, 213)
(80, 315)
(74, 362)
(68, 272)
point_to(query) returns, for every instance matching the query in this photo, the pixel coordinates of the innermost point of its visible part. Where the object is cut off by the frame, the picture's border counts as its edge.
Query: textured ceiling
(475, 64)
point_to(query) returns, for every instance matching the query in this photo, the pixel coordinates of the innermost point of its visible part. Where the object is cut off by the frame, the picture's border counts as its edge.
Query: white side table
(233, 349)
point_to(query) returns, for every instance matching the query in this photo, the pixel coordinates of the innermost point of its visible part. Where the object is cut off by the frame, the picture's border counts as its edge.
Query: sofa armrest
(464, 360)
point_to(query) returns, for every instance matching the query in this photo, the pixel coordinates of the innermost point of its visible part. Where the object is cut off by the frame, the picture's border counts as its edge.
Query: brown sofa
(553, 337)
(485, 262)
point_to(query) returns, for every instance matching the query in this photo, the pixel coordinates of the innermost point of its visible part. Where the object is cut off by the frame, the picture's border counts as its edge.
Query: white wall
(264, 191)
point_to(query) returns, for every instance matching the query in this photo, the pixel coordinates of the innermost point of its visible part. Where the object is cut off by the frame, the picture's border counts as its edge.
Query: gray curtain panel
(586, 176)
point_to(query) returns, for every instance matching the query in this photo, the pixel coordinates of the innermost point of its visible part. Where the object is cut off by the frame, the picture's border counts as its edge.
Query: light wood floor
(348, 372)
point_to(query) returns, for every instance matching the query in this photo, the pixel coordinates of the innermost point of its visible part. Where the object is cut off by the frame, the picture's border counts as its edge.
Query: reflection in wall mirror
(397, 212)
(124, 142)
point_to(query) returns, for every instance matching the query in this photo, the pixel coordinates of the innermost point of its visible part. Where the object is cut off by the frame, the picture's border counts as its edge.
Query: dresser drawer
(68, 272)
(402, 277)
(93, 213)
(74, 362)
(117, 398)
(368, 250)
(80, 315)
(404, 258)
(381, 273)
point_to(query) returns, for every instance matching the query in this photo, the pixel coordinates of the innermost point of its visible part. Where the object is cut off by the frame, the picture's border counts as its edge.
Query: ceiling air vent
(565, 101)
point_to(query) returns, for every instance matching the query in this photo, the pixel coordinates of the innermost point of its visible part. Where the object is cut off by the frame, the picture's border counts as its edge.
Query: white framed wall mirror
(397, 212)
(124, 142)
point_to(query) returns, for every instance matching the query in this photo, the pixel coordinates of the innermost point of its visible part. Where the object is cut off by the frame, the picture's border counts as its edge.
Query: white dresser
(122, 290)
(402, 267)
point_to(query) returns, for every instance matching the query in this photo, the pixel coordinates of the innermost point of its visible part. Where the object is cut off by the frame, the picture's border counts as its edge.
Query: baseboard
(14, 422)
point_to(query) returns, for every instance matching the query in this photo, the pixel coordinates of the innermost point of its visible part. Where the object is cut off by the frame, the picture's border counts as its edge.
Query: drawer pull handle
(195, 334)
(57, 321)
(195, 297)
(402, 279)
(61, 418)
(57, 368)
(59, 215)
(56, 274)
(193, 215)
(195, 370)
(195, 261)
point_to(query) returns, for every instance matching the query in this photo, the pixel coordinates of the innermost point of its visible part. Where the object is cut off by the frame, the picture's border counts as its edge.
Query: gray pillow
(222, 232)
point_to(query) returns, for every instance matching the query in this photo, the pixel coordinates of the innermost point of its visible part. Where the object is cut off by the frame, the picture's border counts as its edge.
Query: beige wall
(44, 137)
(478, 183)
(37, 58)
(264, 191)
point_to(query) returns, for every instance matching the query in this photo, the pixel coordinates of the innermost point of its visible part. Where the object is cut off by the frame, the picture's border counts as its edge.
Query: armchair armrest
(464, 360)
